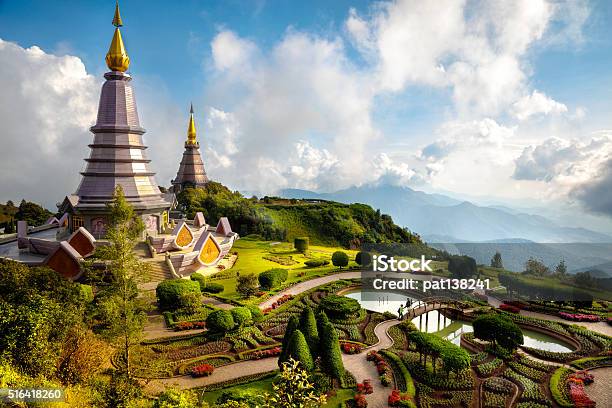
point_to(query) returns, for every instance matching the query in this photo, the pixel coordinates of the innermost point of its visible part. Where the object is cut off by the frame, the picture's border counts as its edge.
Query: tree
(536, 268)
(339, 307)
(462, 267)
(174, 293)
(83, 355)
(301, 244)
(175, 398)
(220, 321)
(298, 350)
(247, 285)
(272, 278)
(496, 261)
(294, 389)
(340, 259)
(33, 213)
(308, 326)
(363, 258)
(122, 313)
(561, 269)
(331, 356)
(292, 325)
(498, 330)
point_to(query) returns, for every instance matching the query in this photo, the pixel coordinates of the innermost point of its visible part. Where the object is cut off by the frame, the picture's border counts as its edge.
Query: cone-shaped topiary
(308, 327)
(331, 357)
(299, 351)
(292, 326)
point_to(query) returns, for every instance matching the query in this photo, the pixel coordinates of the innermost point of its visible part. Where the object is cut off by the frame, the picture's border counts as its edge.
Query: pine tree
(299, 351)
(308, 327)
(496, 261)
(331, 357)
(292, 326)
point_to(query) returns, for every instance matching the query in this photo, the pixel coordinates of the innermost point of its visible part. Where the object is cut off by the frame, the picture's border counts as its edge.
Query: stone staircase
(158, 271)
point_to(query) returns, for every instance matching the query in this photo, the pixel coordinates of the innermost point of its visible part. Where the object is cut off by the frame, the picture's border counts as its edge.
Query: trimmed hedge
(314, 263)
(558, 383)
(272, 278)
(301, 244)
(396, 363)
(170, 292)
(242, 316)
(340, 259)
(220, 321)
(339, 306)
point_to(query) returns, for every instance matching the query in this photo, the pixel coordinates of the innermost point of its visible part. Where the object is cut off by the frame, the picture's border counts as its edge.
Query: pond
(435, 322)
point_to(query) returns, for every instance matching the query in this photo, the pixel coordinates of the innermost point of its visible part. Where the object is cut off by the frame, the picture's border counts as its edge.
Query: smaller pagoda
(191, 172)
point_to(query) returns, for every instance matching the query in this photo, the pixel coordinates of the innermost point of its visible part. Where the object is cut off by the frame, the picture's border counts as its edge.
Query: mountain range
(477, 230)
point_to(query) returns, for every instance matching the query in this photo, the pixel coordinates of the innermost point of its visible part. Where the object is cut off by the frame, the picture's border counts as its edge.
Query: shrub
(247, 285)
(212, 288)
(509, 308)
(314, 263)
(220, 321)
(202, 370)
(292, 325)
(308, 327)
(339, 306)
(359, 400)
(299, 351)
(340, 259)
(272, 278)
(363, 258)
(301, 244)
(497, 328)
(351, 348)
(170, 292)
(256, 313)
(242, 316)
(331, 357)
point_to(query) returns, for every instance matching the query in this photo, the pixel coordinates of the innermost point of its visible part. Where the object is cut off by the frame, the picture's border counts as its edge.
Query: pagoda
(118, 155)
(191, 171)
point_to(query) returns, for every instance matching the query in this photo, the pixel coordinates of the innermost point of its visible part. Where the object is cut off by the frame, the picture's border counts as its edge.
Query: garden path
(600, 391)
(309, 284)
(223, 373)
(363, 369)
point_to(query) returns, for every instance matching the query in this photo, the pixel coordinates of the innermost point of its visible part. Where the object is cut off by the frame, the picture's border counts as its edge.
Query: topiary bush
(340, 259)
(339, 307)
(272, 278)
(220, 321)
(314, 263)
(207, 287)
(301, 244)
(363, 258)
(170, 292)
(256, 313)
(242, 316)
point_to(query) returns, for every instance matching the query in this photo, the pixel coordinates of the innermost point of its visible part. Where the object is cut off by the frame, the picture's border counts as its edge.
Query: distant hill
(442, 216)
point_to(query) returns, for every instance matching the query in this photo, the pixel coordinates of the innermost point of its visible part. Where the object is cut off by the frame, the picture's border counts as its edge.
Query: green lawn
(251, 255)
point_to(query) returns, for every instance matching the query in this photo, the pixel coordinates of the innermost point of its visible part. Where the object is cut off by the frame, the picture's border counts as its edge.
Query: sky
(498, 101)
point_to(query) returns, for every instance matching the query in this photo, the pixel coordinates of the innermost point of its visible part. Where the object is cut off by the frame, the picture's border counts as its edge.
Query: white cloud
(537, 103)
(47, 104)
(230, 51)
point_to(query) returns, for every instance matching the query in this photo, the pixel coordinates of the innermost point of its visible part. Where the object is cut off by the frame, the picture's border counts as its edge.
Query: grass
(265, 385)
(251, 255)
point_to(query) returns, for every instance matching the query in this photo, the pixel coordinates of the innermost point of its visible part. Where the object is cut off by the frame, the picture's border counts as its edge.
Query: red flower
(202, 370)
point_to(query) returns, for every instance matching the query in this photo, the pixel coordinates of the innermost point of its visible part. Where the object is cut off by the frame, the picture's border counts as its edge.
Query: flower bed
(402, 376)
(591, 362)
(351, 348)
(486, 369)
(559, 387)
(382, 367)
(509, 308)
(202, 370)
(181, 326)
(365, 387)
(259, 354)
(398, 399)
(279, 302)
(577, 394)
(577, 317)
(532, 391)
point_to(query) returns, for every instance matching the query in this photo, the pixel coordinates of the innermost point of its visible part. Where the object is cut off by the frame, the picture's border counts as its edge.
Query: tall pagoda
(191, 171)
(118, 155)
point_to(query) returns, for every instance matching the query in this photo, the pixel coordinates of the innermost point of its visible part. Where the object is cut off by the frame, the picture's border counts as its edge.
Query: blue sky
(507, 101)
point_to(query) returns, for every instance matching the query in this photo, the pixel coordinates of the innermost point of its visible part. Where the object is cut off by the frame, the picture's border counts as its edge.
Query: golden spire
(191, 129)
(116, 57)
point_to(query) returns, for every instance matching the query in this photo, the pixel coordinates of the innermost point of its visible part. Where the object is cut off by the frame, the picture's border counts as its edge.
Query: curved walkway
(309, 284)
(600, 391)
(363, 369)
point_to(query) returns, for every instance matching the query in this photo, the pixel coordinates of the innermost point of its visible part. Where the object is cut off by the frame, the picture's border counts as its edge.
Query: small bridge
(428, 304)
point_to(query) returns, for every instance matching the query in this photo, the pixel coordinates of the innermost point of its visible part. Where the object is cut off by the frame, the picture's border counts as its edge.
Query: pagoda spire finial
(116, 57)
(191, 129)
